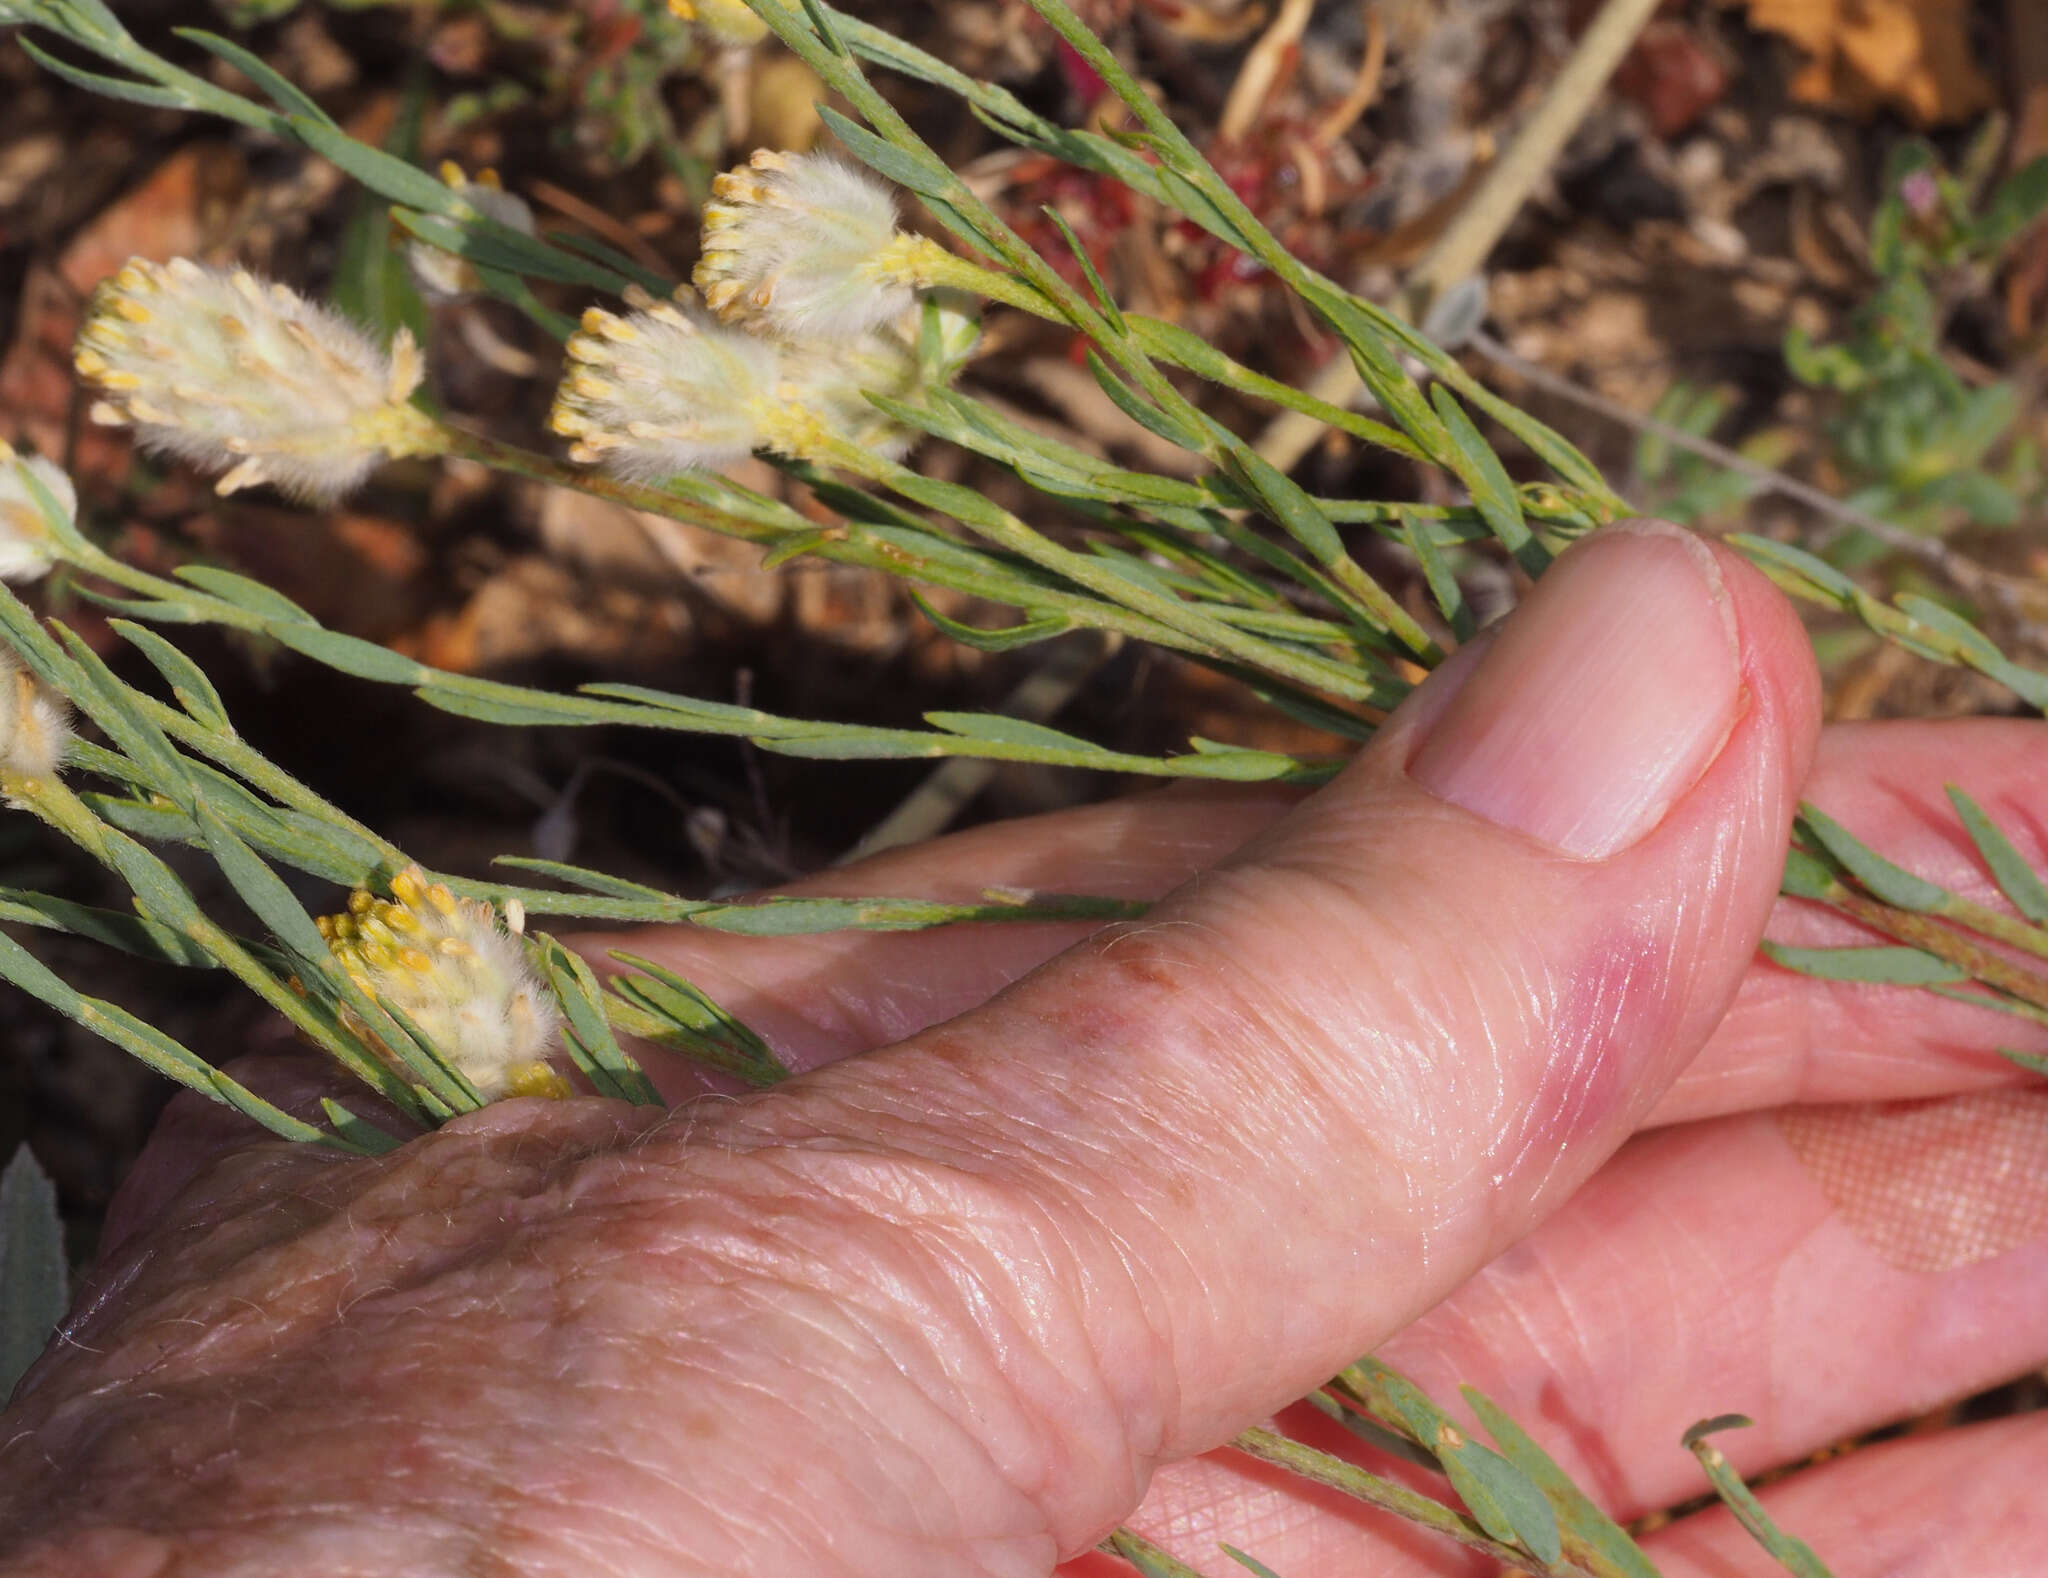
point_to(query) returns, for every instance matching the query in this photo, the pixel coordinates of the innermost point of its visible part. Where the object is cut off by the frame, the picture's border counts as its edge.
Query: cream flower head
(663, 390)
(457, 973)
(227, 371)
(26, 549)
(800, 244)
(35, 722)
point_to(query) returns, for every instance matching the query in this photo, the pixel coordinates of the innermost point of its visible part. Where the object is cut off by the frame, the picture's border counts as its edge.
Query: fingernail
(1603, 699)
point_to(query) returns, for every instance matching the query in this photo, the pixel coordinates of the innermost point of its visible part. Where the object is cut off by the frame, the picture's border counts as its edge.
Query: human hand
(947, 1307)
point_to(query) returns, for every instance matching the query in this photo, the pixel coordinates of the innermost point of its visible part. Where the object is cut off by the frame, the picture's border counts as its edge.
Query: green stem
(1106, 330)
(849, 544)
(52, 802)
(1215, 638)
(1944, 942)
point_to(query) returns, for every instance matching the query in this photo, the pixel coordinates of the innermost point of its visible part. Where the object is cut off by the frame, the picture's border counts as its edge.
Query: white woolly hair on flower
(35, 722)
(726, 22)
(442, 276)
(223, 369)
(27, 550)
(798, 244)
(832, 380)
(663, 390)
(452, 968)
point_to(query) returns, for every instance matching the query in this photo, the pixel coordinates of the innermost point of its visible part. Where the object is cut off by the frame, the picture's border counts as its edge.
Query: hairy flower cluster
(801, 321)
(800, 243)
(26, 549)
(35, 722)
(450, 966)
(228, 371)
(726, 22)
(444, 277)
(663, 391)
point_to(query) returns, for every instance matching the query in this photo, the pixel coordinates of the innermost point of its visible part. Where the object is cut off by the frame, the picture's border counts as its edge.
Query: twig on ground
(1463, 246)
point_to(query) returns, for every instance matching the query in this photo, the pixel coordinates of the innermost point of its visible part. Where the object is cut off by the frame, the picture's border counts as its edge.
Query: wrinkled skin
(1085, 1204)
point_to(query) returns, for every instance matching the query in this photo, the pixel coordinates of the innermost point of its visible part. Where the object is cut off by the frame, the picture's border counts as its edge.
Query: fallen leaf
(1913, 56)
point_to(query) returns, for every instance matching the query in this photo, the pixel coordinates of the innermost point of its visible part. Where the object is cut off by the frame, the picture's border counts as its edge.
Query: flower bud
(443, 277)
(663, 390)
(26, 548)
(459, 975)
(726, 22)
(35, 722)
(800, 244)
(222, 369)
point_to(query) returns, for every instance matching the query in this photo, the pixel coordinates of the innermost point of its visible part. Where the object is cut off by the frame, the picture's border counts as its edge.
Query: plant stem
(1215, 638)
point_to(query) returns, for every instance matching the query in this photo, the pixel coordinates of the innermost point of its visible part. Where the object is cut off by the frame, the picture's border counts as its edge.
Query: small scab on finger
(1931, 1185)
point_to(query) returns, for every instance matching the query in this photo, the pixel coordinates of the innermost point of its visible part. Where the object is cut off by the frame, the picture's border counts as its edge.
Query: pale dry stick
(1463, 247)
(929, 808)
(1365, 87)
(1964, 573)
(1261, 69)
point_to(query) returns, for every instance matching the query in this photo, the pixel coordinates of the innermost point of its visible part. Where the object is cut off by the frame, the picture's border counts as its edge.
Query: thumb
(1189, 1169)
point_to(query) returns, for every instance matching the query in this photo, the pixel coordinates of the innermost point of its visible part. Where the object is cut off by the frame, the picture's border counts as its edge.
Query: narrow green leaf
(1591, 1538)
(584, 877)
(358, 1131)
(1796, 1556)
(353, 655)
(1503, 1500)
(1025, 634)
(280, 90)
(144, 1042)
(1103, 299)
(1444, 589)
(261, 888)
(2016, 879)
(821, 23)
(108, 87)
(1808, 876)
(591, 1041)
(528, 708)
(112, 705)
(491, 245)
(1007, 731)
(691, 1023)
(158, 893)
(243, 593)
(129, 933)
(187, 679)
(924, 176)
(1493, 491)
(860, 747)
(1878, 966)
(34, 1276)
(1140, 410)
(1251, 1564)
(1288, 503)
(381, 172)
(1149, 1559)
(1893, 884)
(2032, 1062)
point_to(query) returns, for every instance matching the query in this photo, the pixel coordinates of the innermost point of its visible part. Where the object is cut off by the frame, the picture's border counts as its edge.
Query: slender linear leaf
(1895, 885)
(1876, 966)
(34, 1277)
(2016, 879)
(1795, 1555)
